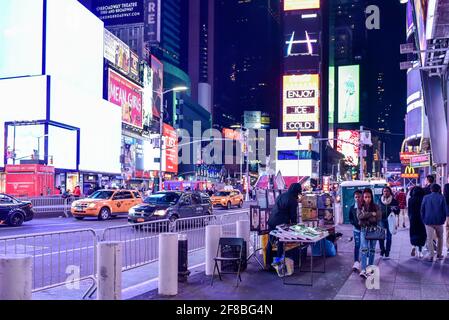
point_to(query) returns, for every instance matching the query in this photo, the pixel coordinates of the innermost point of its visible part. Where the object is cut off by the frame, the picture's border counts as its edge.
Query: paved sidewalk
(403, 277)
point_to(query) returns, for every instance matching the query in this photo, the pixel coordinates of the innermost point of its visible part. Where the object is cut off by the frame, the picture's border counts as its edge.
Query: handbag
(375, 233)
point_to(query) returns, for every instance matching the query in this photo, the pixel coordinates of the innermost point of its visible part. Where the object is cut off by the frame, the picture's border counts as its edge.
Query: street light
(161, 127)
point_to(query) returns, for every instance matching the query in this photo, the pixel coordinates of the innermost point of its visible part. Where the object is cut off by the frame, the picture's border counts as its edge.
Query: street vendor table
(305, 244)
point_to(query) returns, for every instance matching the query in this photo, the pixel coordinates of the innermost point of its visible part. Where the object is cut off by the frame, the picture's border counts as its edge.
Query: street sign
(406, 65)
(420, 161)
(407, 48)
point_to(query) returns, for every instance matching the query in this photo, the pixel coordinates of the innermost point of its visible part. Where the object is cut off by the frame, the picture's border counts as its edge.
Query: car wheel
(240, 204)
(79, 218)
(228, 207)
(105, 213)
(16, 219)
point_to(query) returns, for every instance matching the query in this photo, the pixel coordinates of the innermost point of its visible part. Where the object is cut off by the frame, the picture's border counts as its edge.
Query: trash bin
(183, 271)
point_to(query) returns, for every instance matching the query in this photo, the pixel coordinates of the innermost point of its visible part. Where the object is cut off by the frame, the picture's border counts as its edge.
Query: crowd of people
(427, 209)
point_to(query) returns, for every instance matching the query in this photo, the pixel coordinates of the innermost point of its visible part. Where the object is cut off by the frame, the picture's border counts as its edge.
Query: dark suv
(14, 212)
(171, 205)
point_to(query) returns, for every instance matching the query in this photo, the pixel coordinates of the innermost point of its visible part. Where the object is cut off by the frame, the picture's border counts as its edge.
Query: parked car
(227, 199)
(14, 212)
(171, 205)
(104, 204)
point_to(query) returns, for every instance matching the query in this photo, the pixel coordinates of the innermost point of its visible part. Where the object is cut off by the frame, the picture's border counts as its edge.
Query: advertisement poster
(128, 96)
(301, 103)
(114, 12)
(147, 95)
(331, 94)
(116, 52)
(132, 157)
(302, 49)
(170, 148)
(348, 144)
(290, 5)
(158, 88)
(134, 66)
(252, 119)
(348, 94)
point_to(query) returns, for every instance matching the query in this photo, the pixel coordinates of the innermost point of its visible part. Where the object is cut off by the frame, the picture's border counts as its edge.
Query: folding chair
(237, 243)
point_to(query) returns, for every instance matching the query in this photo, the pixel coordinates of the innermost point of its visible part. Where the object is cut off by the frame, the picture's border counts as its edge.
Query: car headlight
(160, 212)
(92, 205)
(74, 204)
(132, 211)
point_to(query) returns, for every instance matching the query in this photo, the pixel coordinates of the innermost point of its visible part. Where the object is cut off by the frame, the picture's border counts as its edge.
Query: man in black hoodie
(285, 211)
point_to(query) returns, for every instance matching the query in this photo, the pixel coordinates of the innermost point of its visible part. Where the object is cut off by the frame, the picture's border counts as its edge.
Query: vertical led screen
(301, 103)
(291, 5)
(331, 94)
(349, 94)
(128, 96)
(348, 144)
(170, 148)
(158, 80)
(302, 50)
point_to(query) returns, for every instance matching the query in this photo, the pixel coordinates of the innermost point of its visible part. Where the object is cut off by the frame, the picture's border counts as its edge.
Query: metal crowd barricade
(59, 258)
(195, 228)
(56, 204)
(140, 242)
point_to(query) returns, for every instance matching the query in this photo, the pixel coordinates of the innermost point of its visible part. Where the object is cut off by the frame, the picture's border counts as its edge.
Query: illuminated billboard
(128, 96)
(301, 103)
(331, 94)
(302, 50)
(114, 12)
(348, 144)
(349, 94)
(170, 151)
(290, 5)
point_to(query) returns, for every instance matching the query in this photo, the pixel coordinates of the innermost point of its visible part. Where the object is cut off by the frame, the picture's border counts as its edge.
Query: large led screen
(301, 103)
(290, 5)
(302, 48)
(421, 15)
(348, 144)
(128, 96)
(348, 94)
(62, 147)
(413, 122)
(147, 95)
(170, 150)
(331, 94)
(21, 28)
(158, 88)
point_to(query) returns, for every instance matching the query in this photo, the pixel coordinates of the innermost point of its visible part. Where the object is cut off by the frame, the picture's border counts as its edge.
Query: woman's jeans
(386, 251)
(356, 245)
(368, 248)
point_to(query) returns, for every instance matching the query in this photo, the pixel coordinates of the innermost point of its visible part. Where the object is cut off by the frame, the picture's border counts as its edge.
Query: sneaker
(440, 257)
(428, 259)
(363, 274)
(420, 255)
(413, 252)
(356, 266)
(387, 256)
(403, 226)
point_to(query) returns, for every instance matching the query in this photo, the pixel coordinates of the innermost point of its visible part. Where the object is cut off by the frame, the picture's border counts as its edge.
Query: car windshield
(163, 198)
(101, 194)
(222, 193)
(4, 199)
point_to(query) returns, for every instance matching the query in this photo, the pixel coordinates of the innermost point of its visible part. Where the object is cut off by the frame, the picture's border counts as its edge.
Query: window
(127, 195)
(137, 195)
(186, 199)
(196, 199)
(4, 199)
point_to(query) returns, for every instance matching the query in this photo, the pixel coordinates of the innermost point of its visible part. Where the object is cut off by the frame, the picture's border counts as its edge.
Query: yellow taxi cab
(104, 204)
(227, 199)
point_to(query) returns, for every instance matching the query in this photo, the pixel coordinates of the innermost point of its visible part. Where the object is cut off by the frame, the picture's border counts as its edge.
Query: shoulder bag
(375, 233)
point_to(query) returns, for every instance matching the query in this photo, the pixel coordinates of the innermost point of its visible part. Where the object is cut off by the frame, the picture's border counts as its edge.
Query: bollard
(109, 271)
(213, 234)
(168, 264)
(16, 272)
(243, 231)
(183, 254)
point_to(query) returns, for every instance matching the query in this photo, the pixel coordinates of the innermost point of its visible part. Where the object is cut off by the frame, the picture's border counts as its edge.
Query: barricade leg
(16, 277)
(109, 271)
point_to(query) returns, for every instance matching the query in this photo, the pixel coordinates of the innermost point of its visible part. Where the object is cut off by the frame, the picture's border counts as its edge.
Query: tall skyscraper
(247, 55)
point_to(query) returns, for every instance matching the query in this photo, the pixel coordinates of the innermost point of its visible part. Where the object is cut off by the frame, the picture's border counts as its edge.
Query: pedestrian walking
(369, 216)
(446, 198)
(434, 212)
(356, 227)
(401, 197)
(388, 204)
(430, 179)
(418, 234)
